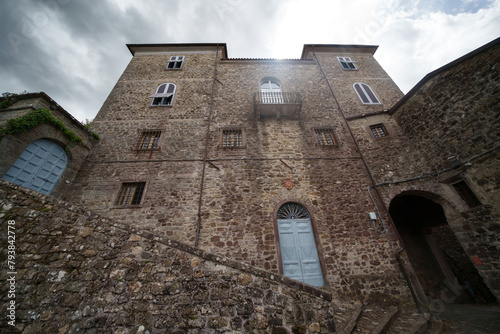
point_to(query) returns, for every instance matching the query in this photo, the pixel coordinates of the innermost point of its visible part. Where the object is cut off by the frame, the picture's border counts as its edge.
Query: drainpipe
(372, 179)
(205, 154)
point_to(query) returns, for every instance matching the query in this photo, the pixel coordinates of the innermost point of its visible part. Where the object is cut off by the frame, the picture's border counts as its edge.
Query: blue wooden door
(299, 254)
(39, 166)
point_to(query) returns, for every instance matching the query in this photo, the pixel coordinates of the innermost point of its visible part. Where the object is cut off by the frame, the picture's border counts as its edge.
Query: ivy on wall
(35, 118)
(5, 101)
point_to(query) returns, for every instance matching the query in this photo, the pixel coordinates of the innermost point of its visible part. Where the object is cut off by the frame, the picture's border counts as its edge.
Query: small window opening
(150, 140)
(131, 194)
(466, 194)
(175, 62)
(347, 63)
(232, 138)
(325, 137)
(379, 131)
(164, 95)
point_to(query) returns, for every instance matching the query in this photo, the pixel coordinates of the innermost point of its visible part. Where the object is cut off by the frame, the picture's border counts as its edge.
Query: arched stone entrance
(444, 270)
(299, 254)
(39, 167)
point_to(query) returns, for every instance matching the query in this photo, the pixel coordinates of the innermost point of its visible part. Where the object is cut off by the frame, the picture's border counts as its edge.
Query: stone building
(293, 165)
(45, 147)
(316, 170)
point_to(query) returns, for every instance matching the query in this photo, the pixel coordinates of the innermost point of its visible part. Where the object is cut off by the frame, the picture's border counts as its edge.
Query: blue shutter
(39, 166)
(299, 254)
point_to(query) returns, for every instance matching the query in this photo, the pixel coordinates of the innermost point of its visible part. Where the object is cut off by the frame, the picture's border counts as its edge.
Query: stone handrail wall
(79, 272)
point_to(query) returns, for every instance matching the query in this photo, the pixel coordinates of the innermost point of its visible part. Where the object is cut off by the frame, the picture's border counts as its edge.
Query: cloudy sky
(75, 50)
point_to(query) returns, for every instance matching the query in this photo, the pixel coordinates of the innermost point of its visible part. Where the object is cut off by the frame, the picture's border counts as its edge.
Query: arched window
(164, 95)
(365, 93)
(299, 255)
(270, 85)
(271, 92)
(39, 167)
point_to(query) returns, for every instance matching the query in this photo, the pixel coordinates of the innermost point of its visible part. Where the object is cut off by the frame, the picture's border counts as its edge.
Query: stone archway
(39, 167)
(442, 267)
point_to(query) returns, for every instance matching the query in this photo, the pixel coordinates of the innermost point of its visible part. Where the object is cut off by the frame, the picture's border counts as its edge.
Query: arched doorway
(39, 167)
(444, 270)
(299, 254)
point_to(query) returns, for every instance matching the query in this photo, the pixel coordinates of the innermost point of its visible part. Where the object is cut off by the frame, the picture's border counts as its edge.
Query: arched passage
(444, 270)
(39, 167)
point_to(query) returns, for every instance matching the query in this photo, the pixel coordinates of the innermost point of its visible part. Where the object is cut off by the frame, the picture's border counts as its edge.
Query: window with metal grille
(466, 193)
(232, 138)
(131, 194)
(175, 63)
(347, 63)
(325, 137)
(379, 131)
(164, 95)
(150, 140)
(365, 93)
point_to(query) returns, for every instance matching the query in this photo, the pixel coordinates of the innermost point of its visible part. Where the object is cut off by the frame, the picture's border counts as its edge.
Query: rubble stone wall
(79, 272)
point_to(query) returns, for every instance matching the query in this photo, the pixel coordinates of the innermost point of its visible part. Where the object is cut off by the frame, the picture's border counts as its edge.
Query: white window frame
(269, 81)
(175, 63)
(164, 95)
(365, 93)
(349, 64)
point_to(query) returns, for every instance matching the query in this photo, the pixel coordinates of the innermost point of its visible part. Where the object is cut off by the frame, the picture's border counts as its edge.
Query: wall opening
(299, 254)
(444, 270)
(39, 167)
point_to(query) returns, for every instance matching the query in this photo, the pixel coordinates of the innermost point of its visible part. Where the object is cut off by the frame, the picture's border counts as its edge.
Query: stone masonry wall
(454, 119)
(242, 187)
(12, 146)
(79, 272)
(450, 120)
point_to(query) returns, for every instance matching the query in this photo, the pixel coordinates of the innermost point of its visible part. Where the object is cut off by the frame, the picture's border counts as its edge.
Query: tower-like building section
(252, 159)
(291, 166)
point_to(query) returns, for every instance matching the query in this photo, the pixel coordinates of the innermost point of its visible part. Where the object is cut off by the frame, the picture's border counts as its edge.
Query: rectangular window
(466, 193)
(347, 63)
(149, 140)
(175, 63)
(232, 138)
(379, 131)
(131, 194)
(325, 137)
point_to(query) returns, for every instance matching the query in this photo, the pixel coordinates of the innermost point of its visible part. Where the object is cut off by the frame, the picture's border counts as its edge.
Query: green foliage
(87, 124)
(35, 118)
(95, 136)
(5, 101)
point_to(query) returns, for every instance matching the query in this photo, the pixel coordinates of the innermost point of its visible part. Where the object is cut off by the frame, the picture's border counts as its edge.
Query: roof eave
(345, 48)
(133, 48)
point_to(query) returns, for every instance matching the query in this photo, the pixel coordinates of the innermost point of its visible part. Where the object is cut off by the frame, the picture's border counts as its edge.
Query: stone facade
(242, 188)
(425, 246)
(445, 130)
(225, 200)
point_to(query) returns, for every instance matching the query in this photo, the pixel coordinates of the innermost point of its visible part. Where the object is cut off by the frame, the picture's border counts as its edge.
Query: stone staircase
(454, 319)
(371, 319)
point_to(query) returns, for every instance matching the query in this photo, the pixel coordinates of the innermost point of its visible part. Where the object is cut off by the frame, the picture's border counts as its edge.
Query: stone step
(374, 320)
(409, 323)
(347, 317)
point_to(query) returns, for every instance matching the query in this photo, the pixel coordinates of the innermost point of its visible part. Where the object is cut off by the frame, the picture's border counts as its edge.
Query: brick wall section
(77, 271)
